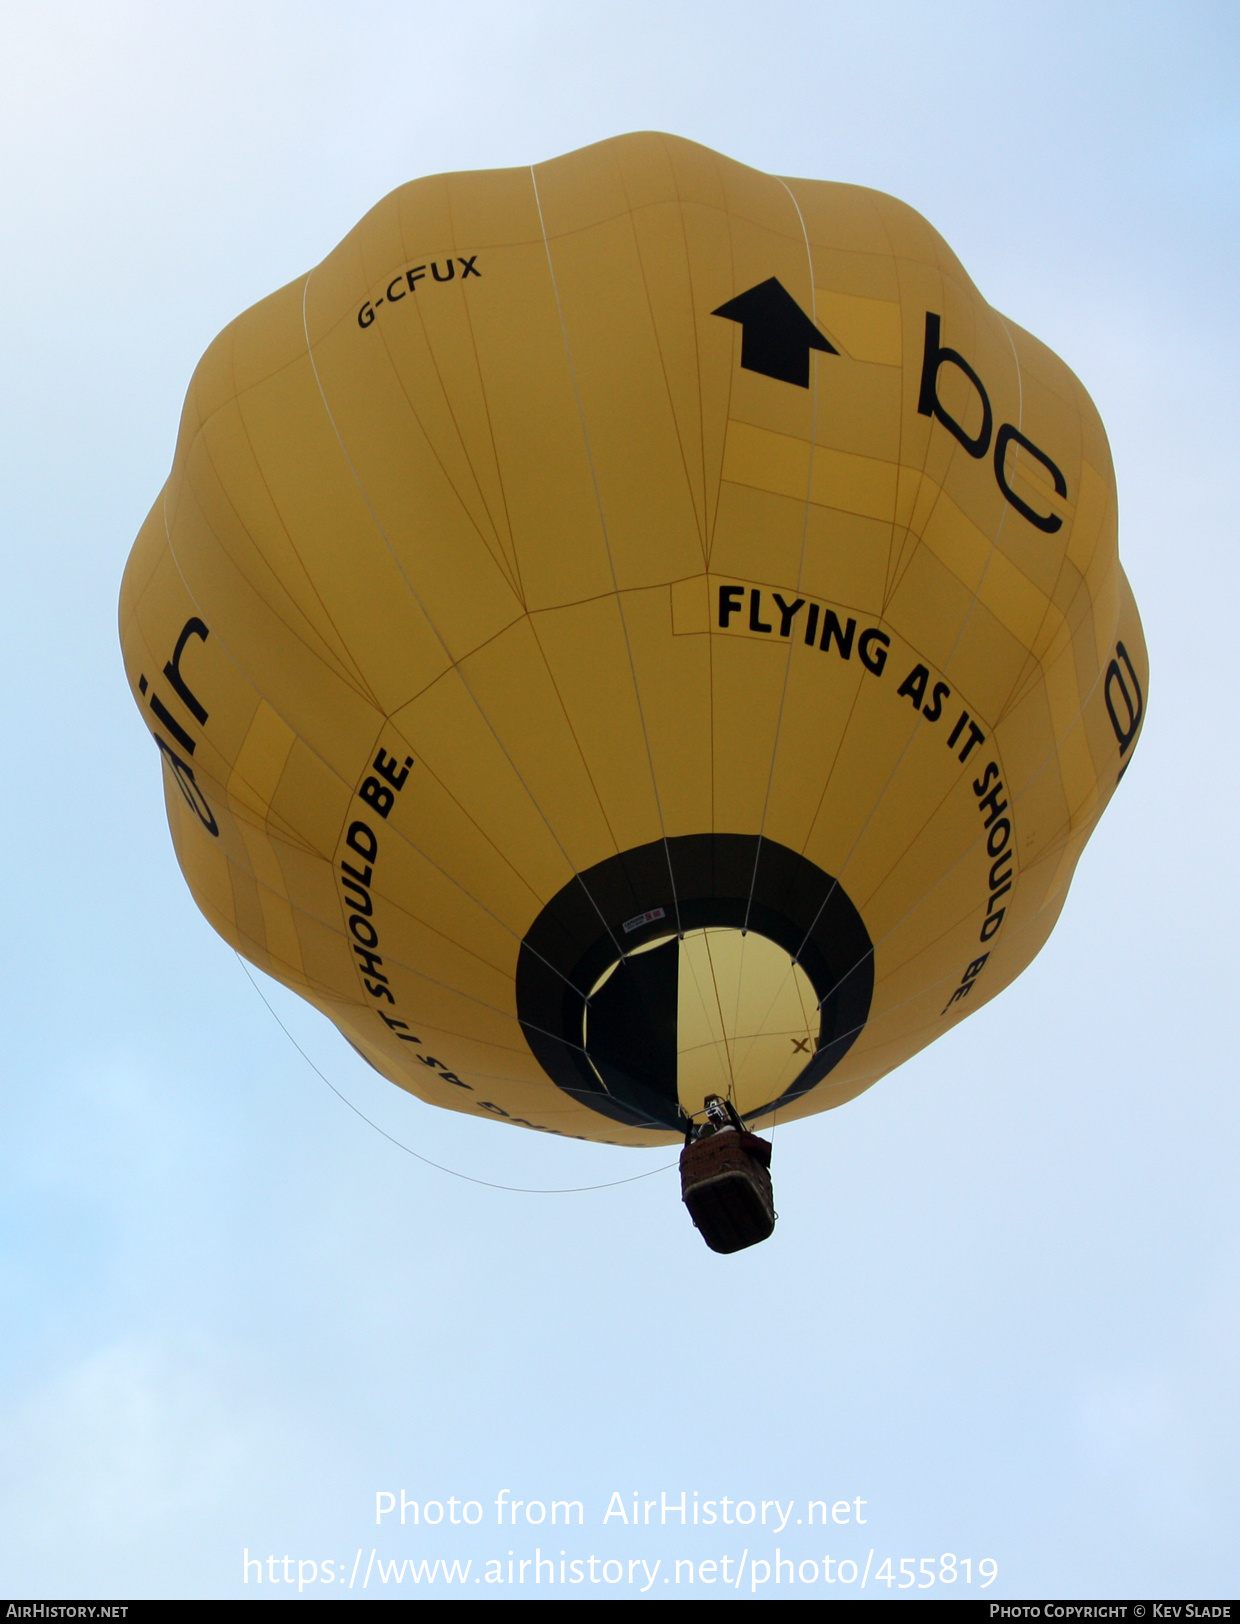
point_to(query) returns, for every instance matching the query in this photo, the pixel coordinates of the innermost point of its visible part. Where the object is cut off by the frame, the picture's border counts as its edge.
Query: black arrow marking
(776, 334)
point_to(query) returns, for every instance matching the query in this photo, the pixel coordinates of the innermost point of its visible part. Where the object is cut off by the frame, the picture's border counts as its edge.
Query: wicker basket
(727, 1189)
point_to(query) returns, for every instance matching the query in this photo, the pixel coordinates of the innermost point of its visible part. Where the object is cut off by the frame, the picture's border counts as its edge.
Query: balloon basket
(725, 1182)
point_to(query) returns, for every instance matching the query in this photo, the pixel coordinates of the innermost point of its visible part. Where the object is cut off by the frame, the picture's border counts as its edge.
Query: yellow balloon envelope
(634, 629)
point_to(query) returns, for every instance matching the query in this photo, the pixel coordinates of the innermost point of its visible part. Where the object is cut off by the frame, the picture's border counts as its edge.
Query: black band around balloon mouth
(664, 889)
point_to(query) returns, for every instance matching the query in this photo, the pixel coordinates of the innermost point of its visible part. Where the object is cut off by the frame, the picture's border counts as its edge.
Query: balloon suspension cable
(511, 1189)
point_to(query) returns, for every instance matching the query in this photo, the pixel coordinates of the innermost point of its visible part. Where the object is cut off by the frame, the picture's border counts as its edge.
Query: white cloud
(135, 1437)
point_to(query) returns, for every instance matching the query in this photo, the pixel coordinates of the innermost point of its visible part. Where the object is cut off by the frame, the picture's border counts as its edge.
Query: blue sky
(1001, 1303)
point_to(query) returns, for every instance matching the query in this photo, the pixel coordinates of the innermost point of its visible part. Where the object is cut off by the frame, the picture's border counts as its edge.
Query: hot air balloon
(635, 631)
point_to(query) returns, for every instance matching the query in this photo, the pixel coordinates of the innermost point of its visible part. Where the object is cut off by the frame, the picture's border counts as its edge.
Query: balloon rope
(513, 1189)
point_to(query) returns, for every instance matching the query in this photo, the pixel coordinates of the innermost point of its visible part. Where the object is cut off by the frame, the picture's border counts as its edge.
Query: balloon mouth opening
(716, 1011)
(704, 964)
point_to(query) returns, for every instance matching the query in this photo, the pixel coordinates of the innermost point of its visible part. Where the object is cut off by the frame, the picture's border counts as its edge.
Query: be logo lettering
(938, 355)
